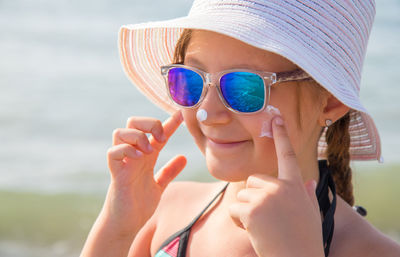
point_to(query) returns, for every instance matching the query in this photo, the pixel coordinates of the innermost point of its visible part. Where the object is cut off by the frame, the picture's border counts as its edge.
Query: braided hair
(338, 139)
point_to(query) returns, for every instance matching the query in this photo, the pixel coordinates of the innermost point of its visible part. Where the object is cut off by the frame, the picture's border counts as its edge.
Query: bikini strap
(328, 209)
(202, 212)
(183, 234)
(186, 231)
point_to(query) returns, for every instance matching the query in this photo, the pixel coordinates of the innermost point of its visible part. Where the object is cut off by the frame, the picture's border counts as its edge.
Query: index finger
(170, 125)
(288, 167)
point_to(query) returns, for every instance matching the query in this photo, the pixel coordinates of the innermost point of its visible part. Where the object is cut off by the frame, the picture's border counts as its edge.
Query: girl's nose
(217, 113)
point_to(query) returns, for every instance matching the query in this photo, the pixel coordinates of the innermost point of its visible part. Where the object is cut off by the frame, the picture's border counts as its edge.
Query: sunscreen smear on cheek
(266, 126)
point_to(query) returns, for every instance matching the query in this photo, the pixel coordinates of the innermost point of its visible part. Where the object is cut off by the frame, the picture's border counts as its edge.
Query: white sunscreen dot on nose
(201, 115)
(266, 128)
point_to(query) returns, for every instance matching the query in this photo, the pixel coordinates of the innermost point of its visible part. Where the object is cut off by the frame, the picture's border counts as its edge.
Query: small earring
(328, 122)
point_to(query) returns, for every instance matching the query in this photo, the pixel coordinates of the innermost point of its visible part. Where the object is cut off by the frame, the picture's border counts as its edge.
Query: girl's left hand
(281, 215)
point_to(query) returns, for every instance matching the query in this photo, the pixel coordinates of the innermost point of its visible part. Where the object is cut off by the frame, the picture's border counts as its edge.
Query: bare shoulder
(373, 243)
(383, 246)
(355, 236)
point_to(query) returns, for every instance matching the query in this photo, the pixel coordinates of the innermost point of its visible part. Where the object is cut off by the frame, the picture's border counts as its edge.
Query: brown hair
(337, 136)
(181, 46)
(338, 154)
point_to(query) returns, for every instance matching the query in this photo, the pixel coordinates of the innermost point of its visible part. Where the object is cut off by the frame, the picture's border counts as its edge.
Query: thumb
(311, 186)
(170, 170)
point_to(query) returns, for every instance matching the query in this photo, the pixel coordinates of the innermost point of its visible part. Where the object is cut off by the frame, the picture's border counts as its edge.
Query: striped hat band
(325, 38)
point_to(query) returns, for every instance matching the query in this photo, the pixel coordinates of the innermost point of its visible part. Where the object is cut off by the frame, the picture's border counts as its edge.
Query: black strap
(326, 207)
(185, 235)
(201, 213)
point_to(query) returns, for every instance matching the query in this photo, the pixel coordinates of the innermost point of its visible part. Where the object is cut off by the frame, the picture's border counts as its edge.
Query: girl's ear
(332, 109)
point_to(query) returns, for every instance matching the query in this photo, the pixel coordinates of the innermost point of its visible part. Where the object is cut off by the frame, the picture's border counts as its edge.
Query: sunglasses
(240, 90)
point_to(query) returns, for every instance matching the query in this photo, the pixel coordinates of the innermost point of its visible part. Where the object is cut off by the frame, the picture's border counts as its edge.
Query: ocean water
(63, 92)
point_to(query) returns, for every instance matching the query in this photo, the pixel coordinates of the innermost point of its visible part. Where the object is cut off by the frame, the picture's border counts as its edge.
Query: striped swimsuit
(175, 245)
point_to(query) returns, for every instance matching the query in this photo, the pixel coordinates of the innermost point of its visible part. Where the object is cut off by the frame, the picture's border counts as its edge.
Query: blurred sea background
(63, 92)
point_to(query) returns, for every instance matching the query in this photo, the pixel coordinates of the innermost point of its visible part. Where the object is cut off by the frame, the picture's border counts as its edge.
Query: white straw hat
(325, 38)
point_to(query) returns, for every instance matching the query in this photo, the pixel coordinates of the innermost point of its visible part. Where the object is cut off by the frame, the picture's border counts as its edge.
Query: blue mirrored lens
(243, 91)
(185, 86)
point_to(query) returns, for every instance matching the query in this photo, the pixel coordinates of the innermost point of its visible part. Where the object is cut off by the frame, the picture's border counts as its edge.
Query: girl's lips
(224, 144)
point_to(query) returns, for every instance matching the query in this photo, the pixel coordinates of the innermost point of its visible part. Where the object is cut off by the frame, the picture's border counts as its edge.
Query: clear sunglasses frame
(269, 79)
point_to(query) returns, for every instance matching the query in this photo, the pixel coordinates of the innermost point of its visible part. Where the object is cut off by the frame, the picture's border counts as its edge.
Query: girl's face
(213, 52)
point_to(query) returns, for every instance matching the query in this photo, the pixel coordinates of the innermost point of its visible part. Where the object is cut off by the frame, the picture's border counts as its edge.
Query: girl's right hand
(134, 191)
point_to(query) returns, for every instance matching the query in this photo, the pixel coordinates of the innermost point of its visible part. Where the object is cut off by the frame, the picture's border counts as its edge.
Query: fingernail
(138, 153)
(149, 147)
(278, 121)
(163, 138)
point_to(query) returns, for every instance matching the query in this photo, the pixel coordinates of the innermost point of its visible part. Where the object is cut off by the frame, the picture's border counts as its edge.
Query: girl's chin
(228, 177)
(228, 170)
(236, 169)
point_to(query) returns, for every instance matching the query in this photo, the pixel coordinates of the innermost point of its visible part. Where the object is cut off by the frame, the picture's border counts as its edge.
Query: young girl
(269, 92)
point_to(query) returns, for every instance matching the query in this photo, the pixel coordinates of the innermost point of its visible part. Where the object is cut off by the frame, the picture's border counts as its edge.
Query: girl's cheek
(191, 123)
